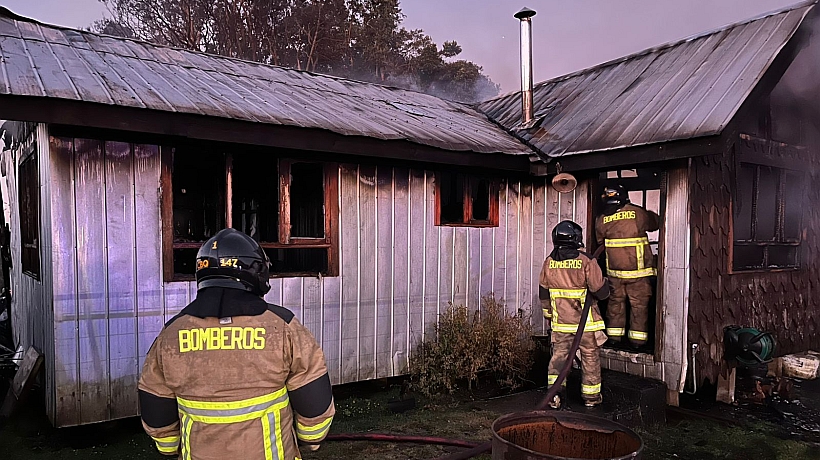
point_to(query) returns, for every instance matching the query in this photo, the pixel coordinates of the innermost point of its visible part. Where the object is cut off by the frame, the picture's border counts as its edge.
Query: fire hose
(473, 449)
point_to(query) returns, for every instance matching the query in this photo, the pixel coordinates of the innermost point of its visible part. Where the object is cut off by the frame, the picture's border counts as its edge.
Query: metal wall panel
(64, 282)
(417, 189)
(367, 225)
(122, 309)
(92, 281)
(383, 275)
(148, 248)
(349, 272)
(400, 260)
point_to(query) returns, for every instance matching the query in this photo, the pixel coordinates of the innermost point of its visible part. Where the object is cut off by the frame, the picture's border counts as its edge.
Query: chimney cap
(525, 13)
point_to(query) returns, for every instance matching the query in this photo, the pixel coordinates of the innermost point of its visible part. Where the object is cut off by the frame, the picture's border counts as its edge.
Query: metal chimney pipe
(525, 16)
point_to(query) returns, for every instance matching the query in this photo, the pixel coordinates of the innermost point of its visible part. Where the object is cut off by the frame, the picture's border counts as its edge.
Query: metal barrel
(554, 435)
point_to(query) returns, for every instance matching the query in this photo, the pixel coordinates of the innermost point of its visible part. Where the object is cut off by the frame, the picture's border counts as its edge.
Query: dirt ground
(28, 436)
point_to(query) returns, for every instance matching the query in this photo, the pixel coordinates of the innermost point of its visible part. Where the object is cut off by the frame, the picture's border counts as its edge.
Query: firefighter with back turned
(630, 263)
(231, 376)
(568, 277)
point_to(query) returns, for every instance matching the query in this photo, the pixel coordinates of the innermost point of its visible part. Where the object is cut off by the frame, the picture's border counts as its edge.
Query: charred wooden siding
(397, 269)
(786, 303)
(32, 317)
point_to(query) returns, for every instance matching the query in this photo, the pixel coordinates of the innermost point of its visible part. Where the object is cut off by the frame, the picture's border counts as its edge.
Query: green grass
(707, 440)
(27, 438)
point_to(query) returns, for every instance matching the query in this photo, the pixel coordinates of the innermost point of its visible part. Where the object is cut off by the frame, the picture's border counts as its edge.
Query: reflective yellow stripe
(639, 254)
(186, 424)
(625, 242)
(592, 326)
(565, 328)
(572, 294)
(591, 389)
(313, 437)
(615, 331)
(628, 274)
(640, 251)
(325, 423)
(577, 294)
(167, 450)
(637, 335)
(168, 439)
(312, 433)
(552, 378)
(266, 408)
(280, 448)
(233, 405)
(547, 313)
(266, 437)
(167, 445)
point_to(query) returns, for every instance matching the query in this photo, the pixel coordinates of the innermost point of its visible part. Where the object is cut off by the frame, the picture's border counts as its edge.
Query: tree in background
(360, 39)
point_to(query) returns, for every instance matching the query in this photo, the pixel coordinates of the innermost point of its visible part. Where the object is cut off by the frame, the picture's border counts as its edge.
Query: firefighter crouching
(232, 377)
(630, 264)
(567, 278)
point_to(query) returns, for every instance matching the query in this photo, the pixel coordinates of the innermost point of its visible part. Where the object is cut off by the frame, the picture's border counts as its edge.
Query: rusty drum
(554, 435)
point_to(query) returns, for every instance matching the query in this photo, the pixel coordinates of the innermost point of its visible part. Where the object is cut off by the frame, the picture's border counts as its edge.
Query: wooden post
(672, 397)
(726, 384)
(22, 383)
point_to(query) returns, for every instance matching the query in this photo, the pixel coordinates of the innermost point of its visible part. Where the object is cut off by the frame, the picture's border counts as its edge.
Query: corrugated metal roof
(681, 90)
(49, 61)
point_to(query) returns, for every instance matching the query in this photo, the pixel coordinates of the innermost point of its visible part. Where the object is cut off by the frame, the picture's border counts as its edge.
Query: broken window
(767, 205)
(282, 204)
(29, 202)
(464, 200)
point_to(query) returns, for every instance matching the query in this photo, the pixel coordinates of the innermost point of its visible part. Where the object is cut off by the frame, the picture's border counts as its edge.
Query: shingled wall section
(786, 303)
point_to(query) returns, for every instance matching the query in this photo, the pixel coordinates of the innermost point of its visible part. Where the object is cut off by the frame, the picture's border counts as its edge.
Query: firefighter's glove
(311, 447)
(546, 307)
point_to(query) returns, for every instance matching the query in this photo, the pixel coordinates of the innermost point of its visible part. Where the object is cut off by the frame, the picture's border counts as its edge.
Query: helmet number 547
(228, 262)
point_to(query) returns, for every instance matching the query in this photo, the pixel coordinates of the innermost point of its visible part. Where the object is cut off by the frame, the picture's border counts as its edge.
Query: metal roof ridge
(657, 48)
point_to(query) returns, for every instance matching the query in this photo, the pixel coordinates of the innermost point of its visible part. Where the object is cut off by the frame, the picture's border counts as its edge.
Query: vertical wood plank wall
(398, 270)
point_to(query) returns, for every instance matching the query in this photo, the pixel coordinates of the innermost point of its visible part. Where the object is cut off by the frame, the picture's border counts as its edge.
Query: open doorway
(645, 190)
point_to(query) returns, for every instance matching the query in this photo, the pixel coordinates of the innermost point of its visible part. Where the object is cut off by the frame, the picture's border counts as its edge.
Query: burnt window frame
(330, 241)
(468, 181)
(28, 190)
(780, 239)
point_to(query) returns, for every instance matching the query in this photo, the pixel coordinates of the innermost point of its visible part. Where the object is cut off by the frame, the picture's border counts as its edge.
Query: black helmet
(568, 234)
(233, 260)
(616, 195)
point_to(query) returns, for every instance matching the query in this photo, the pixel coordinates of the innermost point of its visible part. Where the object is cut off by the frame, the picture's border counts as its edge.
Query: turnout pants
(590, 362)
(639, 292)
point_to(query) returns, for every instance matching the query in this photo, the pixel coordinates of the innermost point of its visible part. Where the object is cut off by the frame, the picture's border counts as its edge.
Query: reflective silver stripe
(313, 433)
(185, 427)
(167, 444)
(232, 412)
(276, 444)
(267, 409)
(615, 331)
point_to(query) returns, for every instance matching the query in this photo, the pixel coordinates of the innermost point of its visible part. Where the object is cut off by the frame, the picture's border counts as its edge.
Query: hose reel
(748, 346)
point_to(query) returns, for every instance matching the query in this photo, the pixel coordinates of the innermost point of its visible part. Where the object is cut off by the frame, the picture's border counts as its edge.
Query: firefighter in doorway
(232, 376)
(567, 278)
(629, 262)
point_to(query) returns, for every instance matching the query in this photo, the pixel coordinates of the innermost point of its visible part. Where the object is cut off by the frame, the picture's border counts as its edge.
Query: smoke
(795, 112)
(445, 87)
